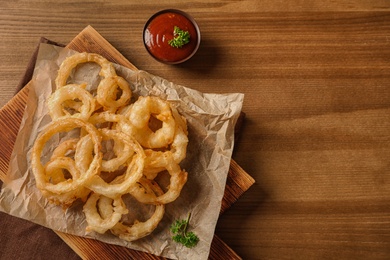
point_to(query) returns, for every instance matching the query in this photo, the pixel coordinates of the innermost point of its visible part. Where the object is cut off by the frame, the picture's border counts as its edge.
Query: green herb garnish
(179, 229)
(180, 38)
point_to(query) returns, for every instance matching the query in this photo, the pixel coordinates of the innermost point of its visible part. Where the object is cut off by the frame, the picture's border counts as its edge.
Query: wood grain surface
(316, 79)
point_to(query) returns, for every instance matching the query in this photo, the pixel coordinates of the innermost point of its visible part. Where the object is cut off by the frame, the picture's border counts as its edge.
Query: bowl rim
(183, 13)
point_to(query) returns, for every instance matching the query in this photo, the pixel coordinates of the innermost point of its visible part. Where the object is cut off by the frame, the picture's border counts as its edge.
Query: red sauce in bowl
(159, 30)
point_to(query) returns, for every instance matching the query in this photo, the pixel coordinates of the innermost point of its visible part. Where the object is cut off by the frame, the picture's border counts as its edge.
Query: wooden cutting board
(10, 118)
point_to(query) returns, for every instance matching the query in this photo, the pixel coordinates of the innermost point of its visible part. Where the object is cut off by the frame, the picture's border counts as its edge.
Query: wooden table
(316, 79)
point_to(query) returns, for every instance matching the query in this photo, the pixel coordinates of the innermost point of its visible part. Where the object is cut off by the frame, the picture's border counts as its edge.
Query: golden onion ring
(53, 128)
(66, 67)
(133, 172)
(122, 156)
(107, 92)
(141, 191)
(178, 178)
(141, 113)
(54, 174)
(140, 229)
(114, 209)
(63, 148)
(71, 92)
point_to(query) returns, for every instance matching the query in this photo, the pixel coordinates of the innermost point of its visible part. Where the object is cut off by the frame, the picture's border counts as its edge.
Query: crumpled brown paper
(211, 119)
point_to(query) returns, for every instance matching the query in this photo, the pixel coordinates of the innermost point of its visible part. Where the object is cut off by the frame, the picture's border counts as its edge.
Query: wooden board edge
(220, 250)
(9, 128)
(93, 249)
(98, 44)
(237, 183)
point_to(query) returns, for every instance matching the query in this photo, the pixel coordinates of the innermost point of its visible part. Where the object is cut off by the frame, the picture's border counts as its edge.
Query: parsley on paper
(179, 229)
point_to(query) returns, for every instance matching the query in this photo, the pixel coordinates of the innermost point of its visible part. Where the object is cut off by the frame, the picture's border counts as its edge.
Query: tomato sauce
(159, 31)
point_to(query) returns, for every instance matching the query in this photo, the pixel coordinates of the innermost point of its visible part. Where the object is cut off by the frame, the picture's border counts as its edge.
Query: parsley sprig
(179, 229)
(180, 38)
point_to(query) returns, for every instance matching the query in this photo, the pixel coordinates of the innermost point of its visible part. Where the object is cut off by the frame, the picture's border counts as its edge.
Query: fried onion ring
(55, 127)
(133, 172)
(71, 92)
(139, 229)
(66, 67)
(107, 92)
(142, 111)
(122, 156)
(54, 173)
(113, 209)
(178, 178)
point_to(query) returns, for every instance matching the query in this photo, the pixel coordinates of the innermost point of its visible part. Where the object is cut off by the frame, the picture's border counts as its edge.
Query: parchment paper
(211, 119)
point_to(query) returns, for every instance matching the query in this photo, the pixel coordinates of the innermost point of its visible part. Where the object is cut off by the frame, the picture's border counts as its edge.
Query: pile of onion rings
(108, 146)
